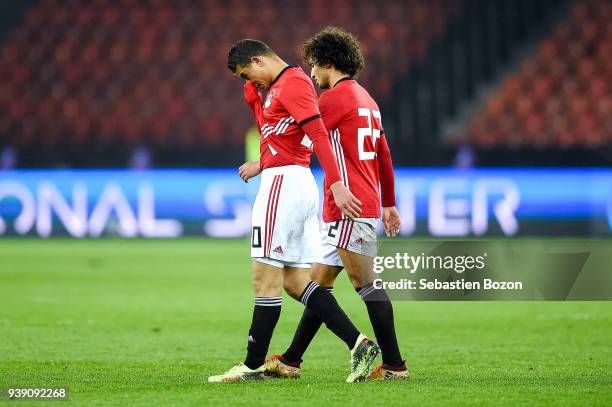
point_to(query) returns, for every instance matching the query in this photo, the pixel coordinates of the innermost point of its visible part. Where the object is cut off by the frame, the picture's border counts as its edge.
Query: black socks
(380, 311)
(321, 307)
(307, 329)
(265, 316)
(324, 304)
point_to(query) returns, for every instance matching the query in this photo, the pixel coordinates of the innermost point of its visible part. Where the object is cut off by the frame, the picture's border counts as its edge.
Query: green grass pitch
(146, 322)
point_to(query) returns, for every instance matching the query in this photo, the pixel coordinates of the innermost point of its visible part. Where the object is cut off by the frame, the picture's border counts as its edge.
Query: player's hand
(391, 221)
(249, 170)
(345, 200)
(251, 94)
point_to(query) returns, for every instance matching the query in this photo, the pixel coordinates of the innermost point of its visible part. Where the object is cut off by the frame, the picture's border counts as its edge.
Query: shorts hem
(282, 263)
(348, 249)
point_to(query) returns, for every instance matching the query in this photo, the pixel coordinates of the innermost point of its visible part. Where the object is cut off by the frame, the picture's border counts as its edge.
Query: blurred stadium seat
(80, 74)
(561, 95)
(87, 83)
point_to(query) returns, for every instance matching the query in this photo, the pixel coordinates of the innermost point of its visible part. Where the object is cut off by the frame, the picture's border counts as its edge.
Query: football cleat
(277, 366)
(384, 372)
(362, 356)
(238, 373)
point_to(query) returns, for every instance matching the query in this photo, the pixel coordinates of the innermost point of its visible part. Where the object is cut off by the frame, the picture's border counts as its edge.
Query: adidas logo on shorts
(278, 249)
(359, 241)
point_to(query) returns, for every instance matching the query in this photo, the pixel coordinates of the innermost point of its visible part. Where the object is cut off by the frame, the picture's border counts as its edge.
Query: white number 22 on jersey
(372, 131)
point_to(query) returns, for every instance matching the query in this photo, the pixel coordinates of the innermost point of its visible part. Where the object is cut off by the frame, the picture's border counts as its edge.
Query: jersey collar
(280, 73)
(346, 78)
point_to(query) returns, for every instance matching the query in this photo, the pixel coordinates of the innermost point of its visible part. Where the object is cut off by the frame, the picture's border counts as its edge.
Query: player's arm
(301, 103)
(390, 216)
(251, 169)
(253, 99)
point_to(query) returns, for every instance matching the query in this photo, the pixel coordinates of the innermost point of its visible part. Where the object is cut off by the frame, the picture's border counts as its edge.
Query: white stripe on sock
(309, 289)
(366, 291)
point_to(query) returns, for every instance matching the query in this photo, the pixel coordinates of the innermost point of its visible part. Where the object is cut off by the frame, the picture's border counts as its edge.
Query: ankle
(290, 362)
(251, 364)
(400, 368)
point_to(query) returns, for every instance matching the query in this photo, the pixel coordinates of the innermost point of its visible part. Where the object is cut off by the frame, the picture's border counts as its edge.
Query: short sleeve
(299, 98)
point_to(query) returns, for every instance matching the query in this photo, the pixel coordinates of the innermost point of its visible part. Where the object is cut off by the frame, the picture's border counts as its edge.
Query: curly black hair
(337, 47)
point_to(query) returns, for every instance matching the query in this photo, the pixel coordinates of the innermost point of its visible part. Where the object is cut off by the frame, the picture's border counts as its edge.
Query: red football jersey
(353, 120)
(291, 100)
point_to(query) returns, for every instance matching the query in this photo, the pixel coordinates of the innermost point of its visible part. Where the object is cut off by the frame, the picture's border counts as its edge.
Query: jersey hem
(284, 165)
(364, 215)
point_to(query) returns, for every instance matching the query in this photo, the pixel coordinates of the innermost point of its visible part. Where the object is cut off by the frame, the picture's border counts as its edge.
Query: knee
(356, 281)
(360, 278)
(324, 280)
(293, 287)
(323, 275)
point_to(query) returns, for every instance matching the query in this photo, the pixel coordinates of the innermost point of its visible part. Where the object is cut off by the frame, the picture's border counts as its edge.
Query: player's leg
(293, 239)
(298, 285)
(324, 275)
(309, 324)
(296, 243)
(266, 312)
(318, 300)
(380, 310)
(288, 363)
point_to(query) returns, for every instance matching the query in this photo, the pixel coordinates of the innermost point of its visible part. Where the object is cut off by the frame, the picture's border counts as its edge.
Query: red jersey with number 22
(353, 120)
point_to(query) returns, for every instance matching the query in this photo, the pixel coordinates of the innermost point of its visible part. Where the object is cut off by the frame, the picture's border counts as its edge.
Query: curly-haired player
(353, 120)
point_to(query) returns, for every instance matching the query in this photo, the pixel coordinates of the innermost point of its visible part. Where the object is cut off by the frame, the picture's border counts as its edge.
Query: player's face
(320, 75)
(255, 73)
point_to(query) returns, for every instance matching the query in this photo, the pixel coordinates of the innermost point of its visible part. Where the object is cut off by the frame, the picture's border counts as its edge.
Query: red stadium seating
(154, 72)
(562, 94)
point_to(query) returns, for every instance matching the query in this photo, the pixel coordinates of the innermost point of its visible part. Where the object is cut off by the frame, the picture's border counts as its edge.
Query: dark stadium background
(463, 85)
(519, 82)
(120, 122)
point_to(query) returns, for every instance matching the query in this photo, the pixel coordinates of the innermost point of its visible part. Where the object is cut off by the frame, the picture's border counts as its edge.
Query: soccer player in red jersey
(353, 120)
(285, 229)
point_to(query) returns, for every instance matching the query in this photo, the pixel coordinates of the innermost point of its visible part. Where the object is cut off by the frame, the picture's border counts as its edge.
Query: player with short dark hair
(284, 241)
(353, 120)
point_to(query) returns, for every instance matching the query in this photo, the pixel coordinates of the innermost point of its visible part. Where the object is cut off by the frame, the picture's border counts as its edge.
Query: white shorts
(285, 226)
(281, 264)
(357, 236)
